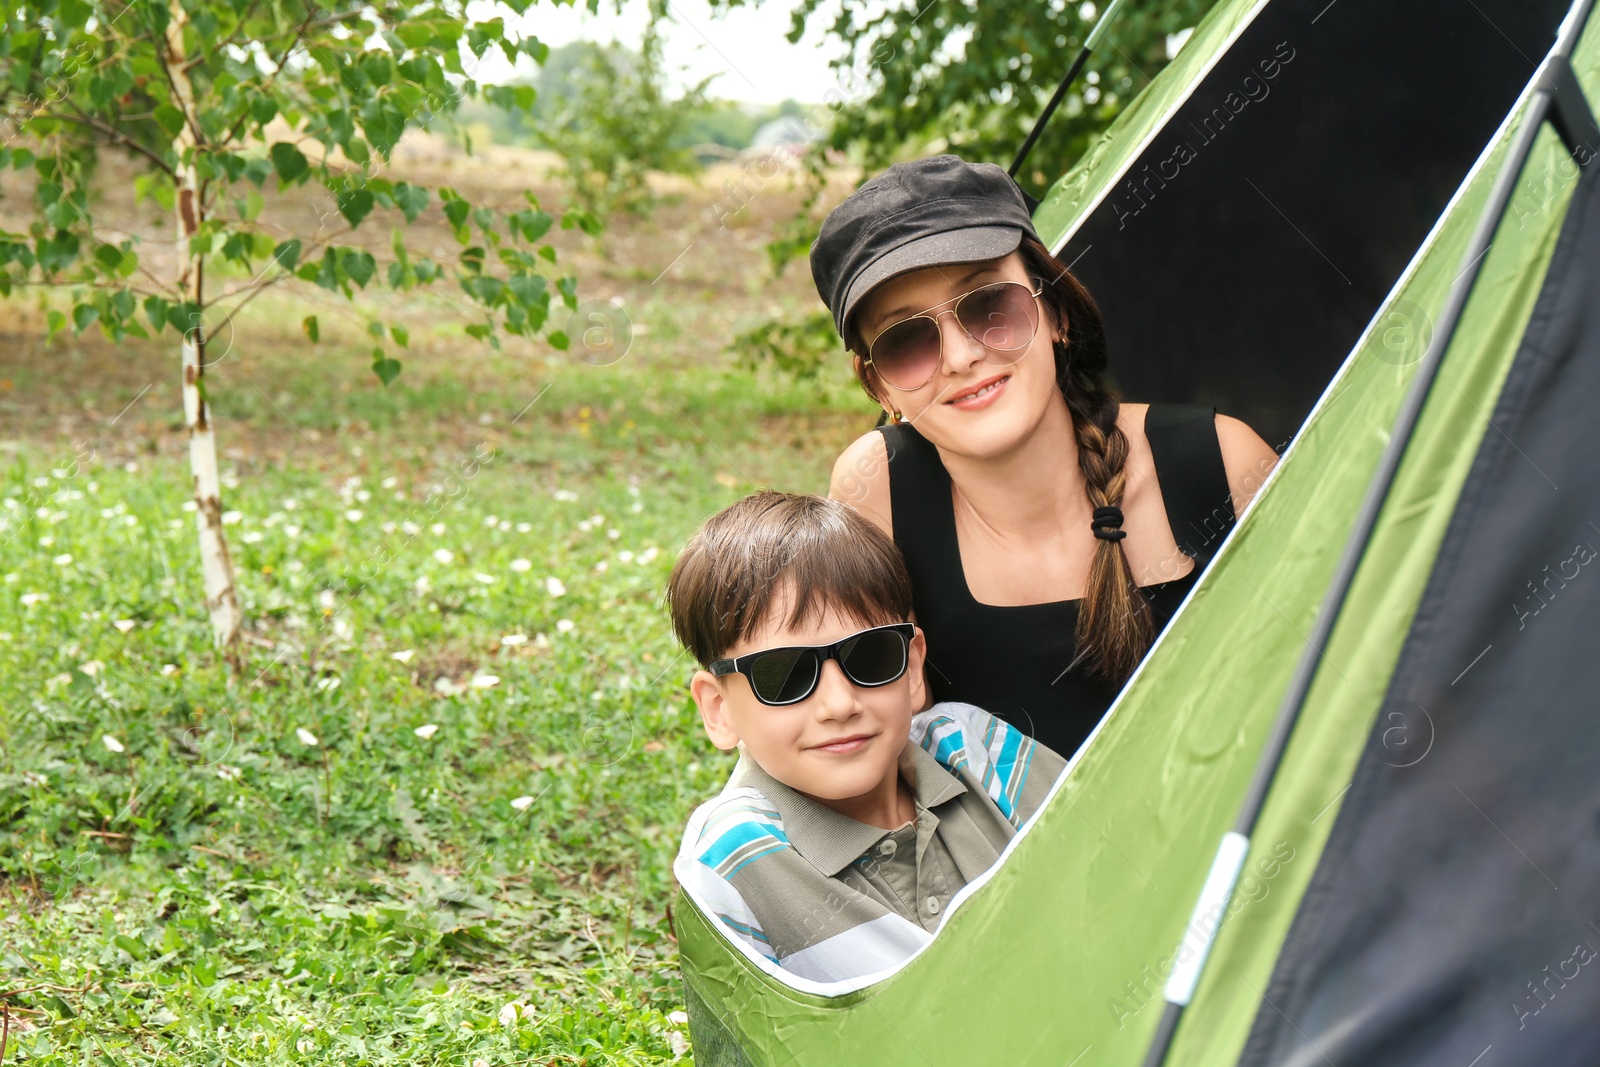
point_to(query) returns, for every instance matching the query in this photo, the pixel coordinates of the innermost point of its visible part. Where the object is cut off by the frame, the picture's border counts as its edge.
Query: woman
(1050, 530)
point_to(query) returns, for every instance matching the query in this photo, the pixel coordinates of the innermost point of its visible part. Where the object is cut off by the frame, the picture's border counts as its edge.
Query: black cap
(925, 213)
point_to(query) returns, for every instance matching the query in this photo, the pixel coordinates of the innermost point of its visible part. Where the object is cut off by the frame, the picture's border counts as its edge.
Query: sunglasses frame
(742, 664)
(955, 301)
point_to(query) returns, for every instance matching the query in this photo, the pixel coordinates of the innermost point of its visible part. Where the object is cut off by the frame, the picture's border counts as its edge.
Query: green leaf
(251, 205)
(136, 949)
(287, 254)
(535, 224)
(169, 119)
(355, 205)
(569, 291)
(457, 211)
(480, 331)
(55, 322)
(155, 309)
(375, 329)
(559, 340)
(263, 109)
(411, 199)
(289, 162)
(386, 369)
(358, 266)
(401, 335)
(309, 325)
(83, 316)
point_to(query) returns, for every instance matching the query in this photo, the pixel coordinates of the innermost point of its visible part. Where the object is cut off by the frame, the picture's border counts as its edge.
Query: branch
(299, 35)
(116, 136)
(257, 287)
(204, 54)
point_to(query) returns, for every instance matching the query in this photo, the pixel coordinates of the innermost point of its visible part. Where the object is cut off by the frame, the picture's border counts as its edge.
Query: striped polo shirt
(831, 899)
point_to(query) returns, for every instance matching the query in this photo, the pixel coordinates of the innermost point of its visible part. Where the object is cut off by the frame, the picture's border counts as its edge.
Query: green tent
(1346, 811)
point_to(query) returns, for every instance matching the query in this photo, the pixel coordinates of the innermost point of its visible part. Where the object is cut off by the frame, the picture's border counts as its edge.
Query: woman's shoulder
(861, 478)
(1246, 459)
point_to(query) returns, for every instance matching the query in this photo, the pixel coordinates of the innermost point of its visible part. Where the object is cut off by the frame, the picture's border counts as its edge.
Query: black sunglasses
(782, 676)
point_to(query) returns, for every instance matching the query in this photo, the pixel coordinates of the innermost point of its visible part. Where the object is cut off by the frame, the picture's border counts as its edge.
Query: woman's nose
(959, 350)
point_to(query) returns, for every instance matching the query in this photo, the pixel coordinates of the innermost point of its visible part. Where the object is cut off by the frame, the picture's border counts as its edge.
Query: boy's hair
(730, 574)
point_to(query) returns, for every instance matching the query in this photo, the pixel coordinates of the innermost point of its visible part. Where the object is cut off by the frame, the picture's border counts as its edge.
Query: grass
(453, 777)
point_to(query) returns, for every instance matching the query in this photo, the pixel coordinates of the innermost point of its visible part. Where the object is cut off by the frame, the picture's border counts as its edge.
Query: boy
(851, 819)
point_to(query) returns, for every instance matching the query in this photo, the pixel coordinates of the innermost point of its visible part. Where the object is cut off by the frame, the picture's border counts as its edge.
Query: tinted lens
(784, 675)
(907, 353)
(1002, 317)
(876, 657)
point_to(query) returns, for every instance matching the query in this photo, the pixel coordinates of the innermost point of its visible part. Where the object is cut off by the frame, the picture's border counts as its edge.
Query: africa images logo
(1138, 190)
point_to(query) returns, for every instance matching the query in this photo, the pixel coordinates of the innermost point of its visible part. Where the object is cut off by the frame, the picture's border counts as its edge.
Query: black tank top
(1011, 661)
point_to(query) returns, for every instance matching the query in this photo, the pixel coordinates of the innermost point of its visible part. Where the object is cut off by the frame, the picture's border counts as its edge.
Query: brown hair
(1115, 627)
(733, 571)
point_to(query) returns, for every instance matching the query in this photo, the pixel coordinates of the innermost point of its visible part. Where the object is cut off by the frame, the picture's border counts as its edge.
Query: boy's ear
(713, 705)
(915, 656)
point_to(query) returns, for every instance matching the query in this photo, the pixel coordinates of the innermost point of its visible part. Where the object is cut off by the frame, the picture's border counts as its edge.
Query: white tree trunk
(222, 602)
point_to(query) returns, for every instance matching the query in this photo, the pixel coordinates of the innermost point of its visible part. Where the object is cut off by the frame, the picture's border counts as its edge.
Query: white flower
(292, 530)
(130, 520)
(252, 537)
(564, 626)
(600, 568)
(648, 554)
(389, 482)
(34, 778)
(678, 1018)
(306, 736)
(508, 640)
(388, 527)
(168, 670)
(511, 1013)
(190, 505)
(57, 681)
(290, 504)
(305, 1044)
(524, 527)
(232, 518)
(486, 579)
(353, 515)
(522, 803)
(613, 533)
(638, 506)
(409, 528)
(485, 681)
(566, 496)
(63, 559)
(555, 587)
(422, 585)
(326, 684)
(678, 1043)
(124, 625)
(584, 526)
(363, 495)
(326, 600)
(112, 743)
(92, 668)
(426, 730)
(444, 555)
(403, 656)
(480, 1062)
(438, 529)
(522, 566)
(491, 520)
(30, 599)
(448, 687)
(227, 772)
(625, 556)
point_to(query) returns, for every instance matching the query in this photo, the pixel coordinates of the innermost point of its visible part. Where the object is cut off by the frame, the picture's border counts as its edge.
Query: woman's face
(979, 403)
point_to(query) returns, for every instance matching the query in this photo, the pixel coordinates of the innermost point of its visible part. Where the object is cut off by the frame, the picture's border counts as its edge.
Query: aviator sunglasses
(788, 675)
(1000, 316)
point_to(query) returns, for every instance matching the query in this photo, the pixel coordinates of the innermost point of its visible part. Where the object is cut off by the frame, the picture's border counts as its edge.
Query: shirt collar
(830, 841)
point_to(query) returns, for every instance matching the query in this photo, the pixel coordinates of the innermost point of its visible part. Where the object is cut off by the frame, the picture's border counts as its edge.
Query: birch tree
(217, 101)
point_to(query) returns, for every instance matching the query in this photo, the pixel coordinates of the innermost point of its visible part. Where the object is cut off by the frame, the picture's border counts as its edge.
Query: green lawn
(453, 776)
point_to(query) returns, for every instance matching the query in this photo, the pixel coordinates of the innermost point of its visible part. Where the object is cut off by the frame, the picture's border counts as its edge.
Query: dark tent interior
(1244, 252)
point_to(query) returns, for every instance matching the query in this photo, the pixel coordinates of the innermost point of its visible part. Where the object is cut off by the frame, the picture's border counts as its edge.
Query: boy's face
(840, 743)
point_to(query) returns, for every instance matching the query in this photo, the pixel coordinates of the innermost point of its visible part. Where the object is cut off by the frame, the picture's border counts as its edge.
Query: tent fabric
(1057, 954)
(1269, 209)
(1453, 914)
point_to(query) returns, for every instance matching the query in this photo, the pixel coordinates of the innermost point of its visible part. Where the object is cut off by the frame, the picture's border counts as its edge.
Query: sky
(746, 50)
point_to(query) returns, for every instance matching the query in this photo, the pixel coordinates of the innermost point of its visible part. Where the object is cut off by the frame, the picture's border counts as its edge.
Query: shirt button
(887, 848)
(933, 905)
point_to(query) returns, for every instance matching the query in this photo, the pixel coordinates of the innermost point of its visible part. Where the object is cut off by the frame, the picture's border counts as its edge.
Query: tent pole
(1066, 83)
(1559, 99)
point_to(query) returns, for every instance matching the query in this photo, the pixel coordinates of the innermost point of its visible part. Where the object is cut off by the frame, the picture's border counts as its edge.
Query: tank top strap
(919, 501)
(1194, 481)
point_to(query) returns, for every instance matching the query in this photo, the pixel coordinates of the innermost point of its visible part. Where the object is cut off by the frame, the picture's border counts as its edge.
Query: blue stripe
(1005, 766)
(739, 836)
(751, 859)
(749, 931)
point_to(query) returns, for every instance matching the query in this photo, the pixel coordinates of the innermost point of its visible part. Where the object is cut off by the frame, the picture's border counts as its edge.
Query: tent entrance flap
(1240, 254)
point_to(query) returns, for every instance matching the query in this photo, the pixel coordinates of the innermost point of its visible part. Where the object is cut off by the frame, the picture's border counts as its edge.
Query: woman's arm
(861, 479)
(1246, 457)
